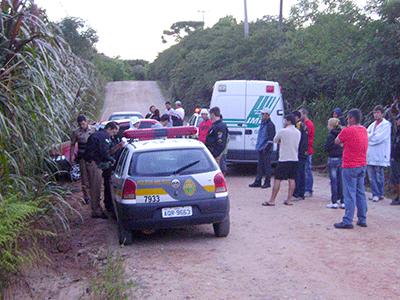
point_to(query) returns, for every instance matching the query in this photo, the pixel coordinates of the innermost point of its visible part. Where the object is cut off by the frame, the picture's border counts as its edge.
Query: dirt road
(271, 253)
(132, 96)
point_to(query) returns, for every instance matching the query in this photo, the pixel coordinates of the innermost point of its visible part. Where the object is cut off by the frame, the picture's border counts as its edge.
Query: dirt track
(272, 252)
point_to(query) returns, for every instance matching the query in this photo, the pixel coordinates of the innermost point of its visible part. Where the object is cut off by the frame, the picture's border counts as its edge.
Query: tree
(178, 29)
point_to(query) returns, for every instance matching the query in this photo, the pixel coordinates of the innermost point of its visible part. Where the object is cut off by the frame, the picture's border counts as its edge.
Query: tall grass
(43, 86)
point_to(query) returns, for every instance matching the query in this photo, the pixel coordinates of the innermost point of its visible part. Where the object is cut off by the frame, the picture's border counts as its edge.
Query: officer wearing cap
(98, 158)
(264, 147)
(80, 135)
(217, 137)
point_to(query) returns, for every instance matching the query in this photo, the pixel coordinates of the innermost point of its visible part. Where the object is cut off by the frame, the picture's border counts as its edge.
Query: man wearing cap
(264, 147)
(204, 126)
(179, 113)
(80, 136)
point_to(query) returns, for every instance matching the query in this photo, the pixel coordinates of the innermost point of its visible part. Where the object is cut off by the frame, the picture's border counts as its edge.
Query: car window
(121, 162)
(165, 162)
(123, 117)
(144, 124)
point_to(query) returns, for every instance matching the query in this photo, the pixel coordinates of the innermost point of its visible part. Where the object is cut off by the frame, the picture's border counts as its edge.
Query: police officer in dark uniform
(98, 158)
(115, 151)
(217, 137)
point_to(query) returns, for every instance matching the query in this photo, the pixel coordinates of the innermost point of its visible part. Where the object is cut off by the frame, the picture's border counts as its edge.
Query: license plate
(176, 212)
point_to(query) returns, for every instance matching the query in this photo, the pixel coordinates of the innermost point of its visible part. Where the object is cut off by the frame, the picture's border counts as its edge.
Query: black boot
(255, 184)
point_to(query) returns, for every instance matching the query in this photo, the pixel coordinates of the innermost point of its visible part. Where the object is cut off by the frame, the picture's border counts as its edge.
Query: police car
(168, 182)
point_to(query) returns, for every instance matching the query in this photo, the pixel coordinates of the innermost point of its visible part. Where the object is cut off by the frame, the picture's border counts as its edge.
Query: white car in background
(123, 115)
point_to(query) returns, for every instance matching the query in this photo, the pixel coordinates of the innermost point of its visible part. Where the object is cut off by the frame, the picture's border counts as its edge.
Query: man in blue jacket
(264, 147)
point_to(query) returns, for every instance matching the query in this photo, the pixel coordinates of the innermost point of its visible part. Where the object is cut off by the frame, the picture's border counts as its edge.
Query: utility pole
(281, 13)
(202, 14)
(246, 22)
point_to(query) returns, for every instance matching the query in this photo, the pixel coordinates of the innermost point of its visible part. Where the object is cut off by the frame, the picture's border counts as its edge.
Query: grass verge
(110, 282)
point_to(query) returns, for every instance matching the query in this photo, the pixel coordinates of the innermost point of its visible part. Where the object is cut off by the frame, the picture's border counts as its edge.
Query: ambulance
(240, 102)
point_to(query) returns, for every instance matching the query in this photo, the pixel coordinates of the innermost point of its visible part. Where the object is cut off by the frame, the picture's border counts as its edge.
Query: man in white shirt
(378, 155)
(179, 111)
(288, 139)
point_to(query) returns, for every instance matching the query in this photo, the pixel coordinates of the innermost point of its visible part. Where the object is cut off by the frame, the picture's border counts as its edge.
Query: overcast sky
(132, 29)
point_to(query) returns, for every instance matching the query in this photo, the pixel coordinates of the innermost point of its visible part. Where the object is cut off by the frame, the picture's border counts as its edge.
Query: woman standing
(334, 163)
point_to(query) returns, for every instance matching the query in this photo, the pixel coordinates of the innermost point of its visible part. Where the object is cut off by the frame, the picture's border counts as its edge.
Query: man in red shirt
(355, 145)
(311, 133)
(204, 126)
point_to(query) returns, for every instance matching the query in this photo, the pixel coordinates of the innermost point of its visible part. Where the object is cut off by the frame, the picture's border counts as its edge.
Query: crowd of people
(353, 150)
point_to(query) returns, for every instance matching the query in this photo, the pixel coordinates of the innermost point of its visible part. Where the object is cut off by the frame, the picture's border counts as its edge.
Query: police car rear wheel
(125, 236)
(222, 229)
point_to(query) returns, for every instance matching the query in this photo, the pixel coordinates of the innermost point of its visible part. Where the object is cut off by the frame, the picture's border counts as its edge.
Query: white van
(240, 102)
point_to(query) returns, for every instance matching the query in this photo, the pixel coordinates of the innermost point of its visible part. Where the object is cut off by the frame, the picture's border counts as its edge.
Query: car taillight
(219, 183)
(270, 89)
(129, 190)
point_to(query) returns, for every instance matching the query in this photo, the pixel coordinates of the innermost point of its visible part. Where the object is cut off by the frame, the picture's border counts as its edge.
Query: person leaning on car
(80, 135)
(98, 158)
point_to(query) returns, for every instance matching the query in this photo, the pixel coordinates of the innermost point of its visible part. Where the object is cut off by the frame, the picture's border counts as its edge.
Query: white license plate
(176, 212)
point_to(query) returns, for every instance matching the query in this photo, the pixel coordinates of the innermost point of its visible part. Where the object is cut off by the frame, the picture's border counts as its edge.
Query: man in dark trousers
(264, 147)
(80, 136)
(98, 158)
(115, 151)
(300, 188)
(216, 140)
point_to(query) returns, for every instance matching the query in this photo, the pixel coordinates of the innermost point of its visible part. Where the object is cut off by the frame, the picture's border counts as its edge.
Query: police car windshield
(166, 162)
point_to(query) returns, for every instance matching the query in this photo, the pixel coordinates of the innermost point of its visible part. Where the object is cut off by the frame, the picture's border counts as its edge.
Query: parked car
(123, 115)
(164, 183)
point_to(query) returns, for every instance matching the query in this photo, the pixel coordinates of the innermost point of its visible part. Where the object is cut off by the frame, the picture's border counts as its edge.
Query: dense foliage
(327, 53)
(43, 86)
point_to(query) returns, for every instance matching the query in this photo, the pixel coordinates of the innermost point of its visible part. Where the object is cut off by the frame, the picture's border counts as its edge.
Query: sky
(132, 29)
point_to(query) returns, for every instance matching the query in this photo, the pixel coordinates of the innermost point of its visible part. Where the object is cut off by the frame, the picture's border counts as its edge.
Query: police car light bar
(155, 133)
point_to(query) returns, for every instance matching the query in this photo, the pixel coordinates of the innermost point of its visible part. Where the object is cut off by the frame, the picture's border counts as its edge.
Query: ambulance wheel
(124, 236)
(222, 229)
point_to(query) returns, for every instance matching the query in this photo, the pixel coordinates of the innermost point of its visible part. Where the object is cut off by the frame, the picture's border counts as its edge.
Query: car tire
(222, 229)
(125, 237)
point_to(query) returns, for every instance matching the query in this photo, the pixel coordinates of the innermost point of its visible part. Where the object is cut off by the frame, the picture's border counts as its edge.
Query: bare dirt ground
(271, 253)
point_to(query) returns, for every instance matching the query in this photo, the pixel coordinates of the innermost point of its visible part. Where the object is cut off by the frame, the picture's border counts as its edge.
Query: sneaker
(375, 199)
(395, 202)
(255, 184)
(342, 225)
(332, 205)
(342, 206)
(361, 224)
(308, 194)
(266, 185)
(381, 198)
(298, 198)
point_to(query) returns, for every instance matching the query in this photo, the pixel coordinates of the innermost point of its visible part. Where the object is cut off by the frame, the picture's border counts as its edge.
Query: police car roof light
(156, 133)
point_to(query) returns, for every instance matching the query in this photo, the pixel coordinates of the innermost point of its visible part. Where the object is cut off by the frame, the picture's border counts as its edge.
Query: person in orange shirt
(204, 126)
